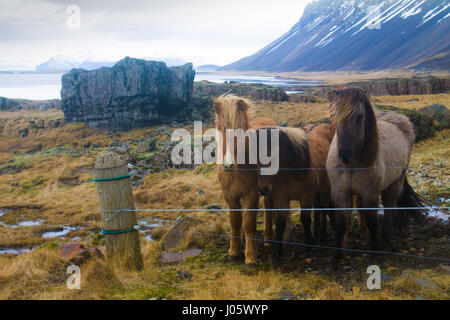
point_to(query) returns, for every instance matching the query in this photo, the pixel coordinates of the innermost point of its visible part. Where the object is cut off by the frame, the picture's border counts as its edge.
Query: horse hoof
(234, 258)
(251, 266)
(331, 268)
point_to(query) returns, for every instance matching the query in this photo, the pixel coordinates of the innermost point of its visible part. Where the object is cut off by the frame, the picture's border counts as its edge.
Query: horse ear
(216, 106)
(332, 95)
(242, 105)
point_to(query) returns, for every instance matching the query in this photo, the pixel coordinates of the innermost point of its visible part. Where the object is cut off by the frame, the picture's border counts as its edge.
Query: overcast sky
(201, 31)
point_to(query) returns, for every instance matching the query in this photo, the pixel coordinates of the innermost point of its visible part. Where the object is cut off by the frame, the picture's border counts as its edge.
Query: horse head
(356, 128)
(232, 113)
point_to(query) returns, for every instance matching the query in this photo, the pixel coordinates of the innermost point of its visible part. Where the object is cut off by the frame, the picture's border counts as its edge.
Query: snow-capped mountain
(58, 63)
(360, 35)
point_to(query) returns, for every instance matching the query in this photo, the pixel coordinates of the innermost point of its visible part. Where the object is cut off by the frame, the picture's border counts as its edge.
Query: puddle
(26, 223)
(148, 224)
(60, 232)
(14, 250)
(439, 214)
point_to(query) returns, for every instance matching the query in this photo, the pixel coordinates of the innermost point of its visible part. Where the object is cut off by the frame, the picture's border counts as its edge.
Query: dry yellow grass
(43, 190)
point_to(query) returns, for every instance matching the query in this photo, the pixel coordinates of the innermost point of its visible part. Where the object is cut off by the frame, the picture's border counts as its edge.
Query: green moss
(424, 126)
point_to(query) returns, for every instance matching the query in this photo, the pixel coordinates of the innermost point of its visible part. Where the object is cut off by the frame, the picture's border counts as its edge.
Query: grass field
(45, 176)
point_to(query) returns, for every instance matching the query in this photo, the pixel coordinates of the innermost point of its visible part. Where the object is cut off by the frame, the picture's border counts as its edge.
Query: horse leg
(371, 220)
(389, 197)
(325, 203)
(250, 202)
(281, 220)
(341, 220)
(319, 219)
(236, 224)
(268, 220)
(307, 201)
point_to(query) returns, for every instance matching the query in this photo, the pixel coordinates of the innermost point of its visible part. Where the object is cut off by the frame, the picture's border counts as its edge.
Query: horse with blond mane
(368, 158)
(239, 181)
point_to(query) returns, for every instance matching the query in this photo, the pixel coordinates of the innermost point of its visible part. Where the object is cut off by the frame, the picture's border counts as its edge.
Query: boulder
(439, 113)
(133, 93)
(175, 237)
(176, 257)
(74, 249)
(424, 126)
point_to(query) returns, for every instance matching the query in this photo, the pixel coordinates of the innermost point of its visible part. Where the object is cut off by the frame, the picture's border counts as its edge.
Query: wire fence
(317, 246)
(275, 210)
(313, 246)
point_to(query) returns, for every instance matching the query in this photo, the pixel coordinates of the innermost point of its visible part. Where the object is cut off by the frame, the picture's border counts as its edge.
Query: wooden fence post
(115, 193)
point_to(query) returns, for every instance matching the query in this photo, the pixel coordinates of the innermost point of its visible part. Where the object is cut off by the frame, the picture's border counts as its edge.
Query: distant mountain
(208, 67)
(170, 62)
(92, 65)
(57, 63)
(360, 35)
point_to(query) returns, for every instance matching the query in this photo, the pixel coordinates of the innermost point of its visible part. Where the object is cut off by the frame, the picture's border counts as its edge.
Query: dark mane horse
(373, 154)
(301, 156)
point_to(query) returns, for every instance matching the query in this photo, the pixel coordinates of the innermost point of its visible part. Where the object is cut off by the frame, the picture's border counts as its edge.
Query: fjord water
(43, 86)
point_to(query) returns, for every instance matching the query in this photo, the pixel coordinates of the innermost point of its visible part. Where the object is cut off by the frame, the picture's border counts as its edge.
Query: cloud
(180, 26)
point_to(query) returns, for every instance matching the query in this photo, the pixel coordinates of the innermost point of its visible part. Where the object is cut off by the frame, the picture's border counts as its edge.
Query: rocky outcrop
(439, 113)
(251, 90)
(23, 104)
(133, 93)
(394, 87)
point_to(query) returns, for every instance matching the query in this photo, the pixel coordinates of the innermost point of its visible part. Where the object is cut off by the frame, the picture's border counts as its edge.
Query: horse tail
(409, 198)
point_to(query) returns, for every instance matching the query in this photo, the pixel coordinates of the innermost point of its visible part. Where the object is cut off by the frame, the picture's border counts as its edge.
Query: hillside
(360, 35)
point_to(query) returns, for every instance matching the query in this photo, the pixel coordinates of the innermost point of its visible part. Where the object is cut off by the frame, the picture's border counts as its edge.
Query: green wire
(111, 179)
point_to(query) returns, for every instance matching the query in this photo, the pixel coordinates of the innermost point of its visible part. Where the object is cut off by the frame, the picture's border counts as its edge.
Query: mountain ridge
(357, 35)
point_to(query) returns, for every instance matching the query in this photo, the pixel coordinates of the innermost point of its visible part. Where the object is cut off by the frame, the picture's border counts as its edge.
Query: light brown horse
(302, 176)
(239, 181)
(368, 158)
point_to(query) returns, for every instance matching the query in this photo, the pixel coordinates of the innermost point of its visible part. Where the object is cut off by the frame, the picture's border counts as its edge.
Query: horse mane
(232, 112)
(294, 150)
(352, 107)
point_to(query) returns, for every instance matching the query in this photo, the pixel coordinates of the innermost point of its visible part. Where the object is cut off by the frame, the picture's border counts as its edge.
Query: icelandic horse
(239, 181)
(302, 176)
(368, 158)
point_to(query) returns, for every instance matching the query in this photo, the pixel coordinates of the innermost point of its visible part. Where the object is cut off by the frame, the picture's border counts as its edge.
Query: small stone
(385, 277)
(184, 275)
(444, 268)
(425, 283)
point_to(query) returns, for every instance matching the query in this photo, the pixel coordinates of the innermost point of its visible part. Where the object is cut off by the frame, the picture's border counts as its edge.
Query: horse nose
(263, 191)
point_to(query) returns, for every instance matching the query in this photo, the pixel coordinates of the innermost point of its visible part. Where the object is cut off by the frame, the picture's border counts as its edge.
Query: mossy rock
(439, 113)
(424, 125)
